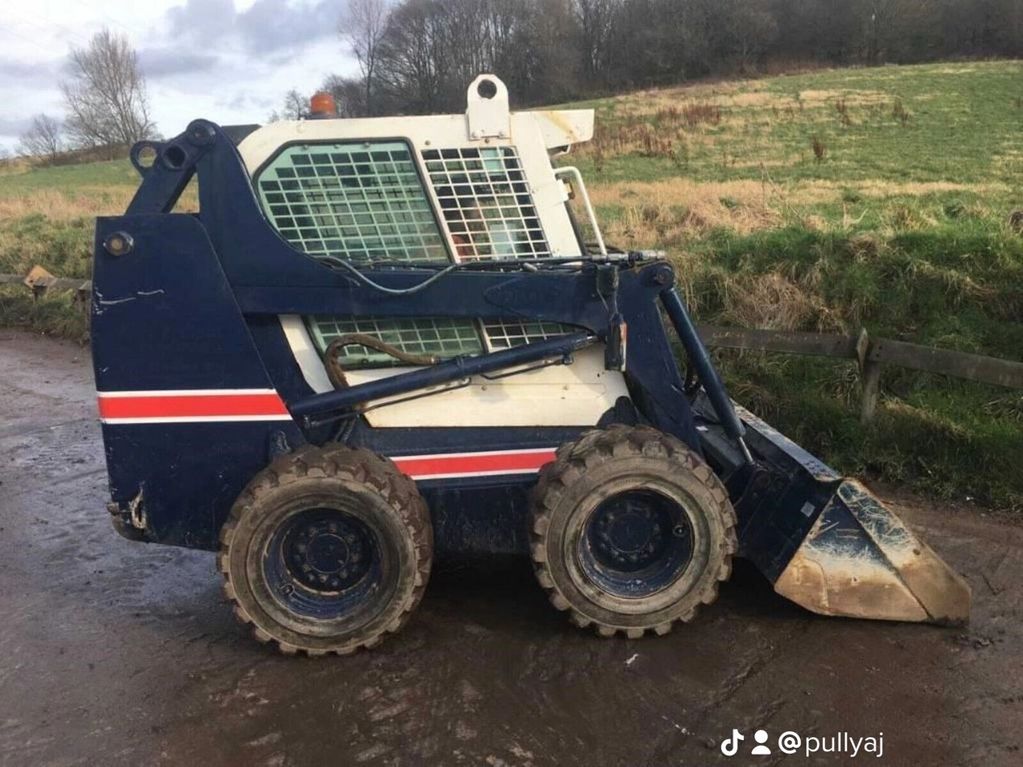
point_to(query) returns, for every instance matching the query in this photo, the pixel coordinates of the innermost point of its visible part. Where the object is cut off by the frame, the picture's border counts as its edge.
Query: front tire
(631, 531)
(328, 550)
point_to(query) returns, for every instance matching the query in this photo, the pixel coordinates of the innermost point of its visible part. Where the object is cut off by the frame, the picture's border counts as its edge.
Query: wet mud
(114, 652)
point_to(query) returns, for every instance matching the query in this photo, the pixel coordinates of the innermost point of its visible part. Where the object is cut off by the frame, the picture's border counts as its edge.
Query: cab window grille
(366, 203)
(422, 336)
(360, 202)
(507, 335)
(486, 203)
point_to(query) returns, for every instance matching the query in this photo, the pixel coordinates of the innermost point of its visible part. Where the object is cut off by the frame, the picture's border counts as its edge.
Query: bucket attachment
(860, 561)
(825, 542)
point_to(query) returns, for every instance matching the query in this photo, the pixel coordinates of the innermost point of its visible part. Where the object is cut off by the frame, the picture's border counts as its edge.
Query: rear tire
(327, 550)
(631, 531)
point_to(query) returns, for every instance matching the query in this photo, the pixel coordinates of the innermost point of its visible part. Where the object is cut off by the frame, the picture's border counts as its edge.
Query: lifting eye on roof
(486, 89)
(487, 109)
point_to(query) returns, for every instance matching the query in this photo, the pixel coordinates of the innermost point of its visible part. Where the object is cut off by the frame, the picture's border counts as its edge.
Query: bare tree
(349, 94)
(596, 20)
(43, 139)
(889, 23)
(416, 56)
(753, 29)
(106, 94)
(413, 65)
(363, 26)
(296, 107)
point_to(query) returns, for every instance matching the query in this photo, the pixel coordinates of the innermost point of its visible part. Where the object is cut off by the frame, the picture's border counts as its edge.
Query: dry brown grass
(677, 207)
(14, 166)
(742, 94)
(645, 102)
(775, 302)
(884, 188)
(655, 133)
(83, 202)
(674, 209)
(850, 98)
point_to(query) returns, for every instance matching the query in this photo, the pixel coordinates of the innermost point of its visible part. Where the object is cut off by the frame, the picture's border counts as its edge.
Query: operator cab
(434, 190)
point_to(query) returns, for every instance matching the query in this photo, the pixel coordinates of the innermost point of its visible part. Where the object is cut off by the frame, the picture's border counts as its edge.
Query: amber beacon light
(322, 105)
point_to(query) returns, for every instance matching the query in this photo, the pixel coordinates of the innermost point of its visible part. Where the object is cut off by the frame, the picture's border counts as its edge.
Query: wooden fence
(871, 354)
(39, 281)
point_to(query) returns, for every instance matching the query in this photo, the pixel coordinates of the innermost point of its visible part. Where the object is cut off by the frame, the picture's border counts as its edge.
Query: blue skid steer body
(385, 340)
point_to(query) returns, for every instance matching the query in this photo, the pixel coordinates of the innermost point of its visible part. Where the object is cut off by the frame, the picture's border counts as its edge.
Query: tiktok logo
(730, 746)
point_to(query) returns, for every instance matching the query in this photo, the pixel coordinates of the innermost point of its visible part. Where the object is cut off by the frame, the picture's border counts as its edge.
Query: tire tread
(359, 465)
(594, 449)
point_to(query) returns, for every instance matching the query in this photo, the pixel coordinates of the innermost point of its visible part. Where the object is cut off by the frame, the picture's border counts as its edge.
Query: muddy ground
(116, 653)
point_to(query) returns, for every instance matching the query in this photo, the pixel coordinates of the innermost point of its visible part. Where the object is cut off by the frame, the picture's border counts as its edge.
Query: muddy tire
(631, 531)
(328, 550)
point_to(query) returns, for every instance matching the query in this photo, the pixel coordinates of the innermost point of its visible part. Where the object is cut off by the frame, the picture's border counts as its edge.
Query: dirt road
(119, 653)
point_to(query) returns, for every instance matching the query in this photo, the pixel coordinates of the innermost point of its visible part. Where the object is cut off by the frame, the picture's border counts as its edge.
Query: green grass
(963, 125)
(900, 227)
(47, 217)
(68, 178)
(62, 246)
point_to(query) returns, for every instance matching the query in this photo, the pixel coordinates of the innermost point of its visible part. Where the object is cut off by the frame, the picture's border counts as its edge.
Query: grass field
(831, 201)
(835, 200)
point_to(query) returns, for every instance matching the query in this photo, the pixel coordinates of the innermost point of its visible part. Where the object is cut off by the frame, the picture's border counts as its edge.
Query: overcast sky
(230, 61)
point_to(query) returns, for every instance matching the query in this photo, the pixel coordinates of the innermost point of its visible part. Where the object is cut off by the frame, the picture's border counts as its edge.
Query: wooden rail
(38, 280)
(871, 354)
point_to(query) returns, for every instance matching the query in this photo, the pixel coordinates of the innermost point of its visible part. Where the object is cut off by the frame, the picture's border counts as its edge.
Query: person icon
(761, 748)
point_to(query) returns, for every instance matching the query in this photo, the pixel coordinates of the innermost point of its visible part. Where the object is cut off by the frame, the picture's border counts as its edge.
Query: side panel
(564, 395)
(189, 413)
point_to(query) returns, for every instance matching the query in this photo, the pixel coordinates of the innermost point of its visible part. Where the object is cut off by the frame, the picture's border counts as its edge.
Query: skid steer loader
(384, 339)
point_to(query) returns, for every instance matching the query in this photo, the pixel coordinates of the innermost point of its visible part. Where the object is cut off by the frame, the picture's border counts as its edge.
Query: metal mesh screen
(506, 335)
(366, 203)
(360, 202)
(426, 336)
(486, 203)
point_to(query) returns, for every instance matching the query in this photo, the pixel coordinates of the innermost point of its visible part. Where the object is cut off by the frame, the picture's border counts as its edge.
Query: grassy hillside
(829, 201)
(47, 217)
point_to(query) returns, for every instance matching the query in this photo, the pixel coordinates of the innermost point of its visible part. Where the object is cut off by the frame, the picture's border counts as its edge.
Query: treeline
(417, 56)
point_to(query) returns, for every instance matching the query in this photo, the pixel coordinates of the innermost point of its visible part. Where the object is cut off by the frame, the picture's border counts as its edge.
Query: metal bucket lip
(860, 560)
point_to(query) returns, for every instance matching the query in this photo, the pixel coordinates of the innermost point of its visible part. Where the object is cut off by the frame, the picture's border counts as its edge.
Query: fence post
(871, 390)
(870, 378)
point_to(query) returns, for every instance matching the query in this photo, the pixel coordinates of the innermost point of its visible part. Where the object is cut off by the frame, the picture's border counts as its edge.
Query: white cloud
(230, 61)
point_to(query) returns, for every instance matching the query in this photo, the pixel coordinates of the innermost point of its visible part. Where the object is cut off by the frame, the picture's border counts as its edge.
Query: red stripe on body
(511, 463)
(214, 405)
(192, 406)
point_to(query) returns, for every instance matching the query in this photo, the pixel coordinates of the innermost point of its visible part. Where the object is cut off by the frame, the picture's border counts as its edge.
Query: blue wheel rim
(324, 564)
(636, 544)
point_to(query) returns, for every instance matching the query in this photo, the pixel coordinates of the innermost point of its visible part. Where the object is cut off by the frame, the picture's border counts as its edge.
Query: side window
(365, 203)
(361, 202)
(442, 337)
(486, 203)
(507, 334)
